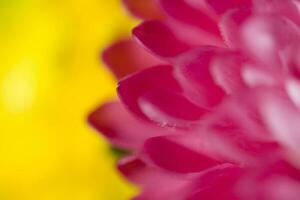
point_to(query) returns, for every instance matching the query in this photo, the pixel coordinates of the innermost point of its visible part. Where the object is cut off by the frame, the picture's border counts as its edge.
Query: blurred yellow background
(50, 79)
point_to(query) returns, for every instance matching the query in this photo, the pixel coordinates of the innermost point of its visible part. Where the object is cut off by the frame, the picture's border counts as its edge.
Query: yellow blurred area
(50, 79)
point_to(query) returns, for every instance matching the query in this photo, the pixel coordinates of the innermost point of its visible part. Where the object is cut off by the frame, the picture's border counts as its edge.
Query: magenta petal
(230, 26)
(134, 169)
(154, 183)
(125, 57)
(145, 9)
(193, 72)
(121, 127)
(227, 72)
(156, 97)
(169, 154)
(217, 183)
(186, 13)
(263, 40)
(222, 7)
(258, 36)
(282, 117)
(158, 38)
(286, 8)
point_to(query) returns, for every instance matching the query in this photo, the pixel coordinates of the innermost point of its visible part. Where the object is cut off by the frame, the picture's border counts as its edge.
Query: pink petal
(144, 9)
(282, 118)
(218, 183)
(171, 154)
(263, 41)
(155, 184)
(125, 57)
(189, 14)
(193, 73)
(122, 128)
(237, 129)
(222, 7)
(230, 26)
(258, 35)
(286, 8)
(158, 38)
(271, 181)
(226, 71)
(154, 94)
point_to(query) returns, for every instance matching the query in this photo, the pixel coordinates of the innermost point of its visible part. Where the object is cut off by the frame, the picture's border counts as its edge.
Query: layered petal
(157, 97)
(155, 183)
(160, 39)
(189, 14)
(125, 57)
(178, 154)
(193, 71)
(122, 128)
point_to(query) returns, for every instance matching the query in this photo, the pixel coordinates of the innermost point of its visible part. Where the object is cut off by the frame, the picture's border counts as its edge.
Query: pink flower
(210, 100)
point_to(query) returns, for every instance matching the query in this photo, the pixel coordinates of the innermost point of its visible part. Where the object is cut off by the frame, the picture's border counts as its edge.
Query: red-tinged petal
(158, 38)
(189, 14)
(193, 73)
(125, 57)
(222, 7)
(134, 170)
(121, 127)
(155, 94)
(171, 154)
(144, 9)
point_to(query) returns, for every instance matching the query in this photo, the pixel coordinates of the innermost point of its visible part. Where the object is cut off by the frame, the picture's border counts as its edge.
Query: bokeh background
(51, 77)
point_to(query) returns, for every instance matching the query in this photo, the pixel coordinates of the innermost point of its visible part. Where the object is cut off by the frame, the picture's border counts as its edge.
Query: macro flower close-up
(208, 100)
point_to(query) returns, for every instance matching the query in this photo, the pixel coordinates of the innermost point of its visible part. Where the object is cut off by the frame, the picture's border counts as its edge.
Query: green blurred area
(50, 79)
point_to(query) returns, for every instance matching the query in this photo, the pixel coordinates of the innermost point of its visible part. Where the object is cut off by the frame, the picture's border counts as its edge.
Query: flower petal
(189, 14)
(218, 183)
(155, 94)
(172, 154)
(158, 37)
(144, 9)
(122, 128)
(226, 71)
(193, 72)
(155, 184)
(125, 57)
(222, 7)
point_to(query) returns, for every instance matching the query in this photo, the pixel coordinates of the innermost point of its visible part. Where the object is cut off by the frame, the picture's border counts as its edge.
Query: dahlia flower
(209, 100)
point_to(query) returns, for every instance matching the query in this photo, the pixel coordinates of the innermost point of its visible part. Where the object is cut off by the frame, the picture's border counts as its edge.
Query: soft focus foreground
(50, 77)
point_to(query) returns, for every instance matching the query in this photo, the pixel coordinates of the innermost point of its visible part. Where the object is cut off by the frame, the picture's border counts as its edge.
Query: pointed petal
(226, 71)
(193, 72)
(158, 38)
(155, 184)
(125, 57)
(171, 154)
(121, 127)
(189, 14)
(155, 94)
(144, 9)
